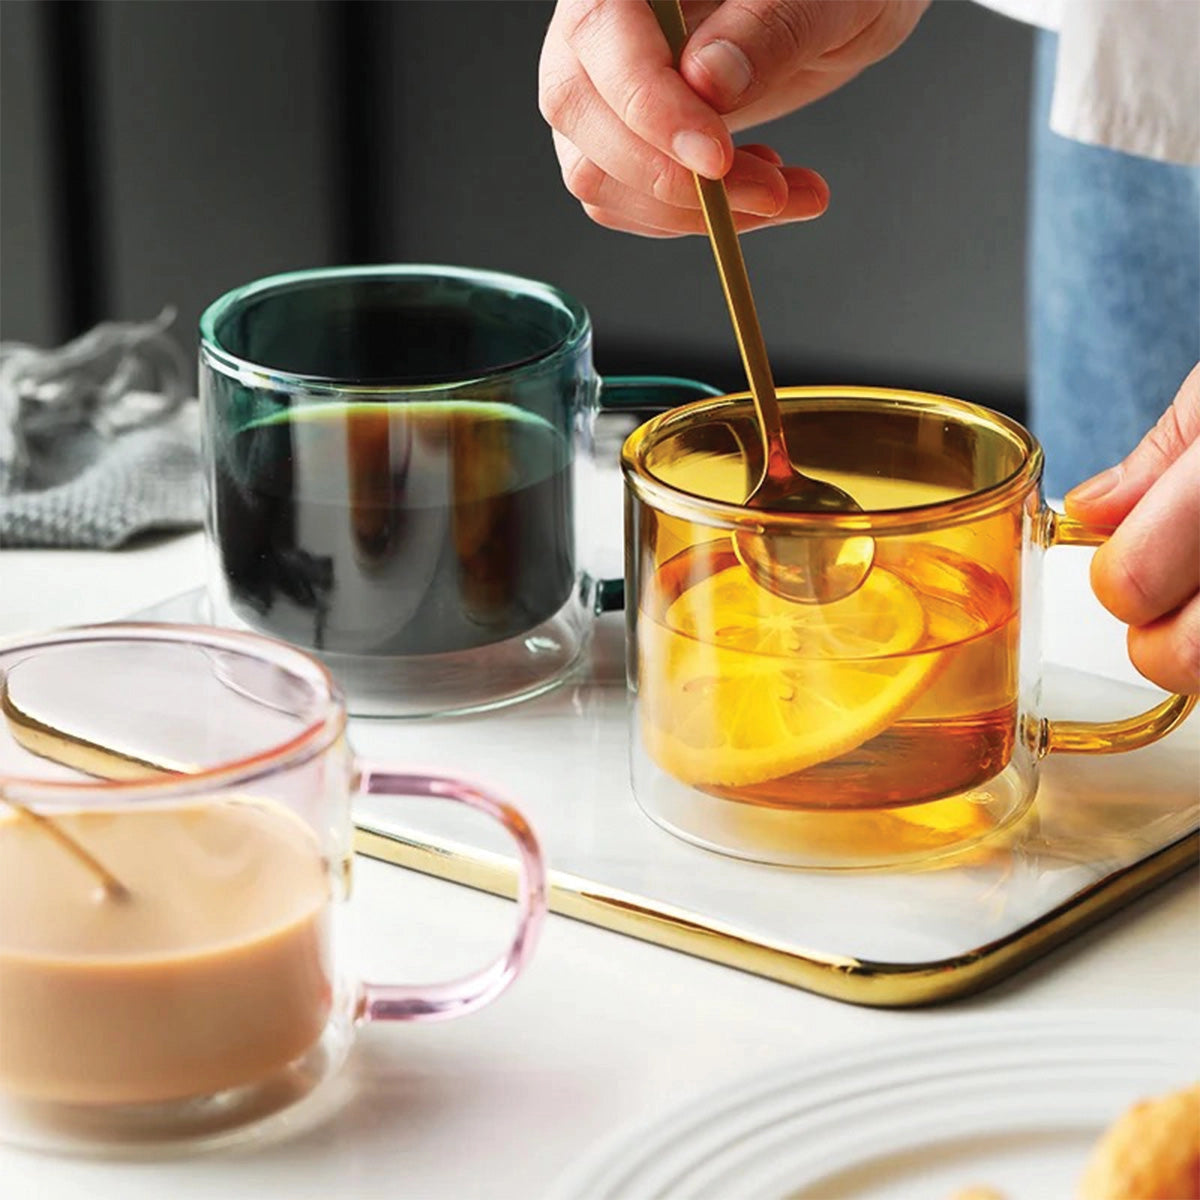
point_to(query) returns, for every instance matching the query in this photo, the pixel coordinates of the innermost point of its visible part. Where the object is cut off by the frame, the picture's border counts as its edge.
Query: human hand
(1148, 573)
(629, 129)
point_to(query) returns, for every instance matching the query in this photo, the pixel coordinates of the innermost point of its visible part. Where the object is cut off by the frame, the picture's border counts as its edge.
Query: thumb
(1108, 498)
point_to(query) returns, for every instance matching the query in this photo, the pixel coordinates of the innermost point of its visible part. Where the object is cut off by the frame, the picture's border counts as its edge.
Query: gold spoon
(32, 735)
(110, 886)
(810, 570)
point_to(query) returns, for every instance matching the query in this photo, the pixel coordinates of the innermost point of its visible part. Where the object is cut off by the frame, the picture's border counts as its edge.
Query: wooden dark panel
(217, 141)
(240, 138)
(27, 263)
(918, 269)
(915, 276)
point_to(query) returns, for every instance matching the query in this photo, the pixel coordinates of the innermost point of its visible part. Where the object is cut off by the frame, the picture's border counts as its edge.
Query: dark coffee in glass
(418, 527)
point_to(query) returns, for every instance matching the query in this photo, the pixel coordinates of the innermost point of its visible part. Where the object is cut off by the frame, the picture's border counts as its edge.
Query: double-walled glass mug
(897, 724)
(175, 848)
(390, 458)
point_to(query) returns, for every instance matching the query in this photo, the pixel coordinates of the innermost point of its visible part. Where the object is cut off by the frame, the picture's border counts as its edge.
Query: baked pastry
(1151, 1152)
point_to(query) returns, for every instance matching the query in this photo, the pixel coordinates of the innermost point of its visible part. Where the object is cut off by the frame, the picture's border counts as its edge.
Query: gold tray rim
(865, 982)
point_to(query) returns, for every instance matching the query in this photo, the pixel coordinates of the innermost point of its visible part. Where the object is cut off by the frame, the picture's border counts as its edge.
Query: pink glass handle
(457, 997)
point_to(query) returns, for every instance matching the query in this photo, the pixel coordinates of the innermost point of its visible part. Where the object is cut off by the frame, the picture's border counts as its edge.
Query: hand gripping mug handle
(1103, 737)
(642, 397)
(457, 997)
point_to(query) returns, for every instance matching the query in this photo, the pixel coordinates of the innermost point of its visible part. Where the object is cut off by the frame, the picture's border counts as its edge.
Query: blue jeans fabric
(1114, 292)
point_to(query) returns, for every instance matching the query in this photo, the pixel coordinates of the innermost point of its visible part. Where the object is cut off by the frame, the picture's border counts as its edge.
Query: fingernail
(727, 67)
(700, 153)
(1094, 488)
(810, 200)
(754, 198)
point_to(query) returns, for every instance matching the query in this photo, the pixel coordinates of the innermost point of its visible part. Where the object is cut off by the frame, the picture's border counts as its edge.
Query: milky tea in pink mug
(175, 836)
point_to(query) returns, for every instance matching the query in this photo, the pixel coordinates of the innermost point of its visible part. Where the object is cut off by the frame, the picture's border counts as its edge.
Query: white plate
(1013, 1104)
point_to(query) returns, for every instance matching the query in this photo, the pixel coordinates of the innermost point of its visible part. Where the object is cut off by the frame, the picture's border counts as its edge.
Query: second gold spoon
(806, 569)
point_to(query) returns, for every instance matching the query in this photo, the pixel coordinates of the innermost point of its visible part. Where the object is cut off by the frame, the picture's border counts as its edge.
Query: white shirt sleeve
(1128, 72)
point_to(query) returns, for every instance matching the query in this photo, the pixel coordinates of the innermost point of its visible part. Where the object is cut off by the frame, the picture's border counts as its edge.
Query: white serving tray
(1103, 830)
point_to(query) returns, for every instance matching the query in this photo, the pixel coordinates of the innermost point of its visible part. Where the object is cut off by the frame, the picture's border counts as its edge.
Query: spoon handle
(731, 266)
(110, 885)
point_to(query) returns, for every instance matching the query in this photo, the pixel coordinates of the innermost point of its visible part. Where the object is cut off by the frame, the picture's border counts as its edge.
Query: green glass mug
(391, 457)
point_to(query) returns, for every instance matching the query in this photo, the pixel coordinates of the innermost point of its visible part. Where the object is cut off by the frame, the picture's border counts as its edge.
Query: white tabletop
(602, 1030)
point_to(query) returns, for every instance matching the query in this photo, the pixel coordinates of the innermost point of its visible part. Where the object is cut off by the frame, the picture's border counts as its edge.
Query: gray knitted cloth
(99, 439)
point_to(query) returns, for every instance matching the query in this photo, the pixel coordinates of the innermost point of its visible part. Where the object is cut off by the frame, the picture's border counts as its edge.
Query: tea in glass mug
(896, 724)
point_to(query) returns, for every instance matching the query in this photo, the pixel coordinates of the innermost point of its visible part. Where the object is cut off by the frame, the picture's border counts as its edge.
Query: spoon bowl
(807, 570)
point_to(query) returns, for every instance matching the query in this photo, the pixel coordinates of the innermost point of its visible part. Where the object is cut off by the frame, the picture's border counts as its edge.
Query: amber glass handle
(1104, 737)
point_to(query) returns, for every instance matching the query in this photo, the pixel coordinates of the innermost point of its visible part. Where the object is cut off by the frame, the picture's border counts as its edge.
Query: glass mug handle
(1103, 737)
(641, 397)
(457, 997)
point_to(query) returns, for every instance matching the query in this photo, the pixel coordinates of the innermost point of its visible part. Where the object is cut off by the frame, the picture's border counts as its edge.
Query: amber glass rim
(674, 501)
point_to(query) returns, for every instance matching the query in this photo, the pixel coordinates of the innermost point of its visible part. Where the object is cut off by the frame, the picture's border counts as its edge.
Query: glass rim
(675, 501)
(261, 375)
(314, 739)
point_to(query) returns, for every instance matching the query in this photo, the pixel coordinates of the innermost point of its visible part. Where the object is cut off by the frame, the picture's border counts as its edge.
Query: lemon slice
(739, 686)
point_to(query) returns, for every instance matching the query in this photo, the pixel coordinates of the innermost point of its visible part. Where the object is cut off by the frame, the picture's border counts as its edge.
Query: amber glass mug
(898, 724)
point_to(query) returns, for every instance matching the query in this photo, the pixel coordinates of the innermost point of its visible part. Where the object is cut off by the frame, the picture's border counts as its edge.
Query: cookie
(1151, 1152)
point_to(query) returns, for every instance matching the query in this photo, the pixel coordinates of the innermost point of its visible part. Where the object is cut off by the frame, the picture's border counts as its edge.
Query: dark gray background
(157, 152)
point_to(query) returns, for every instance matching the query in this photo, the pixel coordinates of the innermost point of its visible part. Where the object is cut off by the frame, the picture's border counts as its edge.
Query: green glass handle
(652, 393)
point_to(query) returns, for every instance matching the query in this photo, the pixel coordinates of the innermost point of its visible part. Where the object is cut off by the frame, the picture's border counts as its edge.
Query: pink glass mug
(175, 834)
